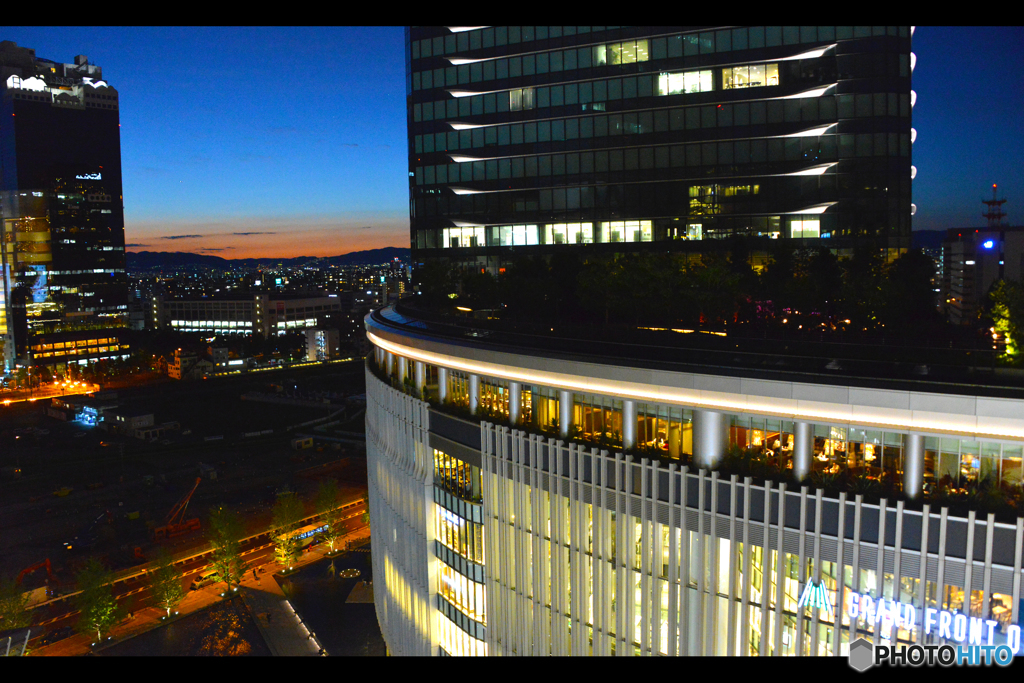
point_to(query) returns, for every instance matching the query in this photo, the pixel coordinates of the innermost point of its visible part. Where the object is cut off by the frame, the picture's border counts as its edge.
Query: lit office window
(750, 76)
(805, 228)
(686, 82)
(627, 52)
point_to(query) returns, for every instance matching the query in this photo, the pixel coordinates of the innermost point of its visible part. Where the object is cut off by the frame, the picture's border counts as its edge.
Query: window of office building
(750, 76)
(957, 463)
(456, 477)
(458, 388)
(461, 535)
(627, 52)
(685, 82)
(626, 231)
(544, 407)
(804, 227)
(464, 593)
(598, 419)
(569, 233)
(666, 429)
(463, 237)
(494, 397)
(520, 99)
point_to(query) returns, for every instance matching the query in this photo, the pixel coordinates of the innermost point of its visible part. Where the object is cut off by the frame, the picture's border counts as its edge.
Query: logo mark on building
(816, 595)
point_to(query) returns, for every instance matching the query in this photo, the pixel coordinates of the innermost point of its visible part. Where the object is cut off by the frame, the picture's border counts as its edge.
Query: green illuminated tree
(328, 506)
(288, 512)
(166, 583)
(1007, 312)
(226, 535)
(13, 605)
(99, 610)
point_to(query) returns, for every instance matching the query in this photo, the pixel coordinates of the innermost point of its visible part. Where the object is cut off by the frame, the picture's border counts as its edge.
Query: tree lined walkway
(283, 632)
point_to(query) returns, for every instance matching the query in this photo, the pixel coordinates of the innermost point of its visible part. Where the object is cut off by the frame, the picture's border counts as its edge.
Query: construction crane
(176, 523)
(40, 594)
(39, 565)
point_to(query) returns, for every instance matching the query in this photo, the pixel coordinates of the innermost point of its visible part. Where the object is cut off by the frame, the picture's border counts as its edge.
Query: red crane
(176, 522)
(39, 565)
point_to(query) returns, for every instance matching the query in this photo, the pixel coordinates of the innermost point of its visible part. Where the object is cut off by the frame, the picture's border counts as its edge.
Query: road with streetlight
(133, 591)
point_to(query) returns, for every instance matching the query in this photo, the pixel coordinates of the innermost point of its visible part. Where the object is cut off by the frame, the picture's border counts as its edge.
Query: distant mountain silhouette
(147, 260)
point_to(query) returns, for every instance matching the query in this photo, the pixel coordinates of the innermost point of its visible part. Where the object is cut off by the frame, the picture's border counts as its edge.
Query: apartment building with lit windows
(62, 238)
(604, 140)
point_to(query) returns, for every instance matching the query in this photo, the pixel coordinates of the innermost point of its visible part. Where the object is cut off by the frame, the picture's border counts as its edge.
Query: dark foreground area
(319, 593)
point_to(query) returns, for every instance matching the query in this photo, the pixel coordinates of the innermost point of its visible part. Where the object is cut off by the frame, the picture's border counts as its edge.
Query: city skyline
(202, 177)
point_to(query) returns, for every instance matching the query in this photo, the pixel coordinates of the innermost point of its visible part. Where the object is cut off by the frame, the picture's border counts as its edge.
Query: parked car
(206, 578)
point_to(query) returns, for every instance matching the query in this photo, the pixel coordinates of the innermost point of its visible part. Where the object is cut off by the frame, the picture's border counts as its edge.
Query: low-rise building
(322, 344)
(243, 315)
(127, 420)
(187, 365)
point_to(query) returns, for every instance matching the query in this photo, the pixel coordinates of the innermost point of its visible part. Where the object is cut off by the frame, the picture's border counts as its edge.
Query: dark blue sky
(298, 134)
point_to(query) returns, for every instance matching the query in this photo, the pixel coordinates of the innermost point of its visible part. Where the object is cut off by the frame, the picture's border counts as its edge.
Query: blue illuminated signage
(952, 626)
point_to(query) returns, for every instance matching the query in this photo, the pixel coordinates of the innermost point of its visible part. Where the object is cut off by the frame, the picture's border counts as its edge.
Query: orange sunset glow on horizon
(268, 237)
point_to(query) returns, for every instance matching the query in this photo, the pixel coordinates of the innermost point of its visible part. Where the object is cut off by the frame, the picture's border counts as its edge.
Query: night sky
(296, 136)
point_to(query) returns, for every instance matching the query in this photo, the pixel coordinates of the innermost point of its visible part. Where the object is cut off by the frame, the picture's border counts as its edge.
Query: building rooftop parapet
(857, 365)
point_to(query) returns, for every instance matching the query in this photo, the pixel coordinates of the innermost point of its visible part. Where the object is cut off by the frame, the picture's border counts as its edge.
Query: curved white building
(553, 502)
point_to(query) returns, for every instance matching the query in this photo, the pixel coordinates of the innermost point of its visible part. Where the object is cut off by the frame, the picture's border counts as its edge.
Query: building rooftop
(857, 365)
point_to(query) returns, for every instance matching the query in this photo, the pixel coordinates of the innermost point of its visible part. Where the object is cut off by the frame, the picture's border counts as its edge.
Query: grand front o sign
(951, 626)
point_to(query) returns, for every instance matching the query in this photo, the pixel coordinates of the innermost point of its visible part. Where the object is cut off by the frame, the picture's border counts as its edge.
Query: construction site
(70, 491)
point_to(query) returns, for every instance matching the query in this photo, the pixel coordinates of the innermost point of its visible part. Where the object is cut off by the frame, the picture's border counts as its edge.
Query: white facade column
(420, 369)
(803, 448)
(389, 362)
(474, 393)
(442, 384)
(564, 412)
(628, 424)
(515, 402)
(403, 368)
(710, 436)
(913, 466)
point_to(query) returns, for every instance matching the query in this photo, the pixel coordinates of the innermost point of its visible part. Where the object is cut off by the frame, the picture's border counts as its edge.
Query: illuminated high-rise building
(64, 290)
(604, 140)
(571, 494)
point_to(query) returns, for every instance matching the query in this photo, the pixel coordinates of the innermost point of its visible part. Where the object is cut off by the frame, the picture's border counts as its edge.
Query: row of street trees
(100, 611)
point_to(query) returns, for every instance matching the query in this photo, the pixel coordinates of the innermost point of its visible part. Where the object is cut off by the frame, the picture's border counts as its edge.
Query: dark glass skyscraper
(62, 242)
(535, 139)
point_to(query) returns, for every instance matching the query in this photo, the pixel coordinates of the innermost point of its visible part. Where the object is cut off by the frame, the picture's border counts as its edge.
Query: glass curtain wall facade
(62, 242)
(574, 137)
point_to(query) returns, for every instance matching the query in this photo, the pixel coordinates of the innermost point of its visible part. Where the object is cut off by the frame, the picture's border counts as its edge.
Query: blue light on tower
(988, 244)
